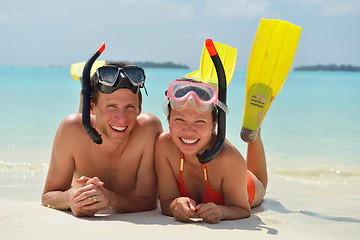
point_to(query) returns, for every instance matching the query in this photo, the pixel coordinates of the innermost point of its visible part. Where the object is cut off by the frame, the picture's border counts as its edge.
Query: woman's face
(190, 130)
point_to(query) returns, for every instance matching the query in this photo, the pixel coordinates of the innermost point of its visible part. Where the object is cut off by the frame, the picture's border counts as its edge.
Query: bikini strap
(182, 162)
(182, 169)
(181, 166)
(205, 176)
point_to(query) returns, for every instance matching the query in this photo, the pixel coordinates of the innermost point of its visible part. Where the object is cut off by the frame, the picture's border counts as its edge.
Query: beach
(290, 210)
(311, 138)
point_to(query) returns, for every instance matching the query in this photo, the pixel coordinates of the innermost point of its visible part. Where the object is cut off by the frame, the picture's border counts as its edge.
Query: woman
(226, 187)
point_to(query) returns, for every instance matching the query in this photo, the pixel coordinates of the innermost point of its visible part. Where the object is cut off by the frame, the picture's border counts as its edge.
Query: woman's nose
(188, 127)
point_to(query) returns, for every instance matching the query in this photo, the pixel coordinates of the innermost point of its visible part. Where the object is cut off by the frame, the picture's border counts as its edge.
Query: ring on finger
(94, 198)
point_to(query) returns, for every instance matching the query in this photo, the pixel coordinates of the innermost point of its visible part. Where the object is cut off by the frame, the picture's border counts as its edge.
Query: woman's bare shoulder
(230, 156)
(149, 122)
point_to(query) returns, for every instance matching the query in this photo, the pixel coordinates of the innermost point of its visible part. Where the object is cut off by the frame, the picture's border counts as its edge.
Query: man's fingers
(90, 200)
(83, 179)
(95, 203)
(83, 194)
(96, 181)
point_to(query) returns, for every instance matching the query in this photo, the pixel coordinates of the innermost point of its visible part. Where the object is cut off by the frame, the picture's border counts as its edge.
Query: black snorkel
(209, 155)
(86, 93)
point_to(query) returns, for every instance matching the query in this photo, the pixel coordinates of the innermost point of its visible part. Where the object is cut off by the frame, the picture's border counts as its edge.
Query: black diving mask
(109, 78)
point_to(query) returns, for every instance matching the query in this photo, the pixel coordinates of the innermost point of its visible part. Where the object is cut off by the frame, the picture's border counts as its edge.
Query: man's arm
(57, 192)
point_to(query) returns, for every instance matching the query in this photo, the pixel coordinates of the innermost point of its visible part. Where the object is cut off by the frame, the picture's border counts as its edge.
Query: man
(119, 173)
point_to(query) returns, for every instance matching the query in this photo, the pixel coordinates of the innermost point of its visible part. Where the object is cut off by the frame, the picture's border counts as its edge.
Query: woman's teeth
(189, 141)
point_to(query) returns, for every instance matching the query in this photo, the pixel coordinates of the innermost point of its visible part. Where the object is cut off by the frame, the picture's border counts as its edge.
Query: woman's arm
(172, 204)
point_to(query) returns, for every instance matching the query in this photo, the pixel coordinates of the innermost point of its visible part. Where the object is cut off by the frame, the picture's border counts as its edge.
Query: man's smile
(118, 128)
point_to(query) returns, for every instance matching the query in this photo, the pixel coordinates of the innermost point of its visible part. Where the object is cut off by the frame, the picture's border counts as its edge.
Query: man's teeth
(118, 128)
(189, 141)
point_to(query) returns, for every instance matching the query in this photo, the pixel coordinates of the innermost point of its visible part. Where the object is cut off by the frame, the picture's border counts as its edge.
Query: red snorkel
(86, 93)
(209, 155)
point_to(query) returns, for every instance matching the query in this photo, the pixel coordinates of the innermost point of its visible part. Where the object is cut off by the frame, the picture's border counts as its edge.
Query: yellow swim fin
(270, 60)
(77, 69)
(207, 72)
(194, 75)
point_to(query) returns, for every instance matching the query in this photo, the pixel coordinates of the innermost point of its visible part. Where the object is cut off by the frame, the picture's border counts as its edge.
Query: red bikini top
(210, 194)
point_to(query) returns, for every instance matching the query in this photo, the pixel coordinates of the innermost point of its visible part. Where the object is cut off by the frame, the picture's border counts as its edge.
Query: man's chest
(118, 175)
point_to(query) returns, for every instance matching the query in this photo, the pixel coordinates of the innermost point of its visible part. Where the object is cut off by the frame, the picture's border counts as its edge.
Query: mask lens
(108, 75)
(199, 96)
(192, 104)
(136, 75)
(202, 93)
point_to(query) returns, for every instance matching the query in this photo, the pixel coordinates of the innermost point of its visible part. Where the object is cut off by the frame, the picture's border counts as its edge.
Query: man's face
(116, 113)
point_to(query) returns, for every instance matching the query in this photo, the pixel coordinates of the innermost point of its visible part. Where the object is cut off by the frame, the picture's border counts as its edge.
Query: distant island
(332, 67)
(149, 64)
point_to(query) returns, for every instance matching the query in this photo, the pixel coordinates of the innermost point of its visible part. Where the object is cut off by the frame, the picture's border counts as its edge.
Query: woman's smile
(189, 140)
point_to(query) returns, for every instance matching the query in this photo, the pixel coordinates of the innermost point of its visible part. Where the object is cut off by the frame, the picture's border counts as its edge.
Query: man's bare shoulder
(72, 121)
(71, 127)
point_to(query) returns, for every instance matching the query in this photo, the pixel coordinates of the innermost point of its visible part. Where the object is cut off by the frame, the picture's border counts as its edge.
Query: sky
(59, 33)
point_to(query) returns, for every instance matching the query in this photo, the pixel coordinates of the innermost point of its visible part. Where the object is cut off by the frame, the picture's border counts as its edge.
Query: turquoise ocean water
(311, 131)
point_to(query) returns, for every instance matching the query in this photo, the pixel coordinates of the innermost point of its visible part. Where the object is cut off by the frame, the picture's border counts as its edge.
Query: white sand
(290, 211)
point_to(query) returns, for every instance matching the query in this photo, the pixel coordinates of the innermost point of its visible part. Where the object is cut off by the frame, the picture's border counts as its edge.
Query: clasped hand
(185, 208)
(90, 198)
